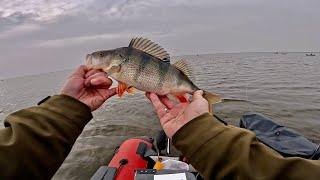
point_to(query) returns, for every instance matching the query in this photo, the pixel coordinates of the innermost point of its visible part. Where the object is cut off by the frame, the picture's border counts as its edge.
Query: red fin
(121, 88)
(182, 98)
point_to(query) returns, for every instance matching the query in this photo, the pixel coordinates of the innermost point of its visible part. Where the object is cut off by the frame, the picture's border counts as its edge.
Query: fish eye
(100, 54)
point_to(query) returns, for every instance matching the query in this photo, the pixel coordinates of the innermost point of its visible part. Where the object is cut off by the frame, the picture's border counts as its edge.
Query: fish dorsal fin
(183, 66)
(150, 47)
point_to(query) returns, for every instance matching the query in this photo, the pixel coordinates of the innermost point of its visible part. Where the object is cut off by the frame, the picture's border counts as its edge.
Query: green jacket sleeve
(226, 152)
(35, 141)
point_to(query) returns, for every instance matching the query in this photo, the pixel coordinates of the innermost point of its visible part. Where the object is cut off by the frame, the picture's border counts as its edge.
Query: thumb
(197, 95)
(102, 80)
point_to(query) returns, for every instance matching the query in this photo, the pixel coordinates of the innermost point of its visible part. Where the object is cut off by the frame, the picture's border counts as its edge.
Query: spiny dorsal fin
(183, 66)
(150, 47)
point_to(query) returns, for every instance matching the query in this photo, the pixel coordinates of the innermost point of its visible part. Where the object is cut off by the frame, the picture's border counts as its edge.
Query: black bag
(287, 142)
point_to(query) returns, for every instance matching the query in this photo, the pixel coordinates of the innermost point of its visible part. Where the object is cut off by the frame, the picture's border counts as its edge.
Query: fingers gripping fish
(145, 65)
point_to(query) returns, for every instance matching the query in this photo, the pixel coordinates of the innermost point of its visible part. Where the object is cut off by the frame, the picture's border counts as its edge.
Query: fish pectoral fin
(122, 87)
(182, 98)
(130, 90)
(112, 69)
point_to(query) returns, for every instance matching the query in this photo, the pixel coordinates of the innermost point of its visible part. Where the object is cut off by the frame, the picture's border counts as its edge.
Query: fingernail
(94, 81)
(153, 94)
(87, 83)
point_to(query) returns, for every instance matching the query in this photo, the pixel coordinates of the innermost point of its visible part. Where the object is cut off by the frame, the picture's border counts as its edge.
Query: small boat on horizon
(310, 54)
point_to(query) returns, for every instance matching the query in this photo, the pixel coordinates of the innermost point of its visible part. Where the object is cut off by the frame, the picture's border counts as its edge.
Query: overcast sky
(48, 35)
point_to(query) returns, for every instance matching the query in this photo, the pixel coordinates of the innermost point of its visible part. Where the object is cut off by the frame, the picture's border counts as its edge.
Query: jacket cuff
(78, 112)
(196, 133)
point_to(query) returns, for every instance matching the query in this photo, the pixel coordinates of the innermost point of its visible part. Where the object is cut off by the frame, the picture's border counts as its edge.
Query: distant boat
(282, 53)
(310, 54)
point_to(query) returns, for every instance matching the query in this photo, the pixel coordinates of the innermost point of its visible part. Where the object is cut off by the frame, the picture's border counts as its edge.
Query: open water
(283, 87)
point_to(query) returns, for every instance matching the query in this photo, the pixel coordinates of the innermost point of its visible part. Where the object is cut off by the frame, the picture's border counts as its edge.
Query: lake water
(283, 87)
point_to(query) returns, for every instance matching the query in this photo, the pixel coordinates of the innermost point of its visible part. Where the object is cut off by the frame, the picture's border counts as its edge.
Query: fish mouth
(89, 60)
(92, 62)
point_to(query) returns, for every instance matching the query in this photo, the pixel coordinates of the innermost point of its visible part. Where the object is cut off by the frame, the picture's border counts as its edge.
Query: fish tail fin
(212, 99)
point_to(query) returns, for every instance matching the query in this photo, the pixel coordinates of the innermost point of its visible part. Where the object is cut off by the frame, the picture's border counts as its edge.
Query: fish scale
(150, 83)
(140, 77)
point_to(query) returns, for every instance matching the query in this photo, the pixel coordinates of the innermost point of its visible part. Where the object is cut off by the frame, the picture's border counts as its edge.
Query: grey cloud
(182, 27)
(19, 30)
(44, 10)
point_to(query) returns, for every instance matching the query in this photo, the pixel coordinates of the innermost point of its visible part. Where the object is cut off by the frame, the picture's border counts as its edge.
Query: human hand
(91, 87)
(174, 116)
